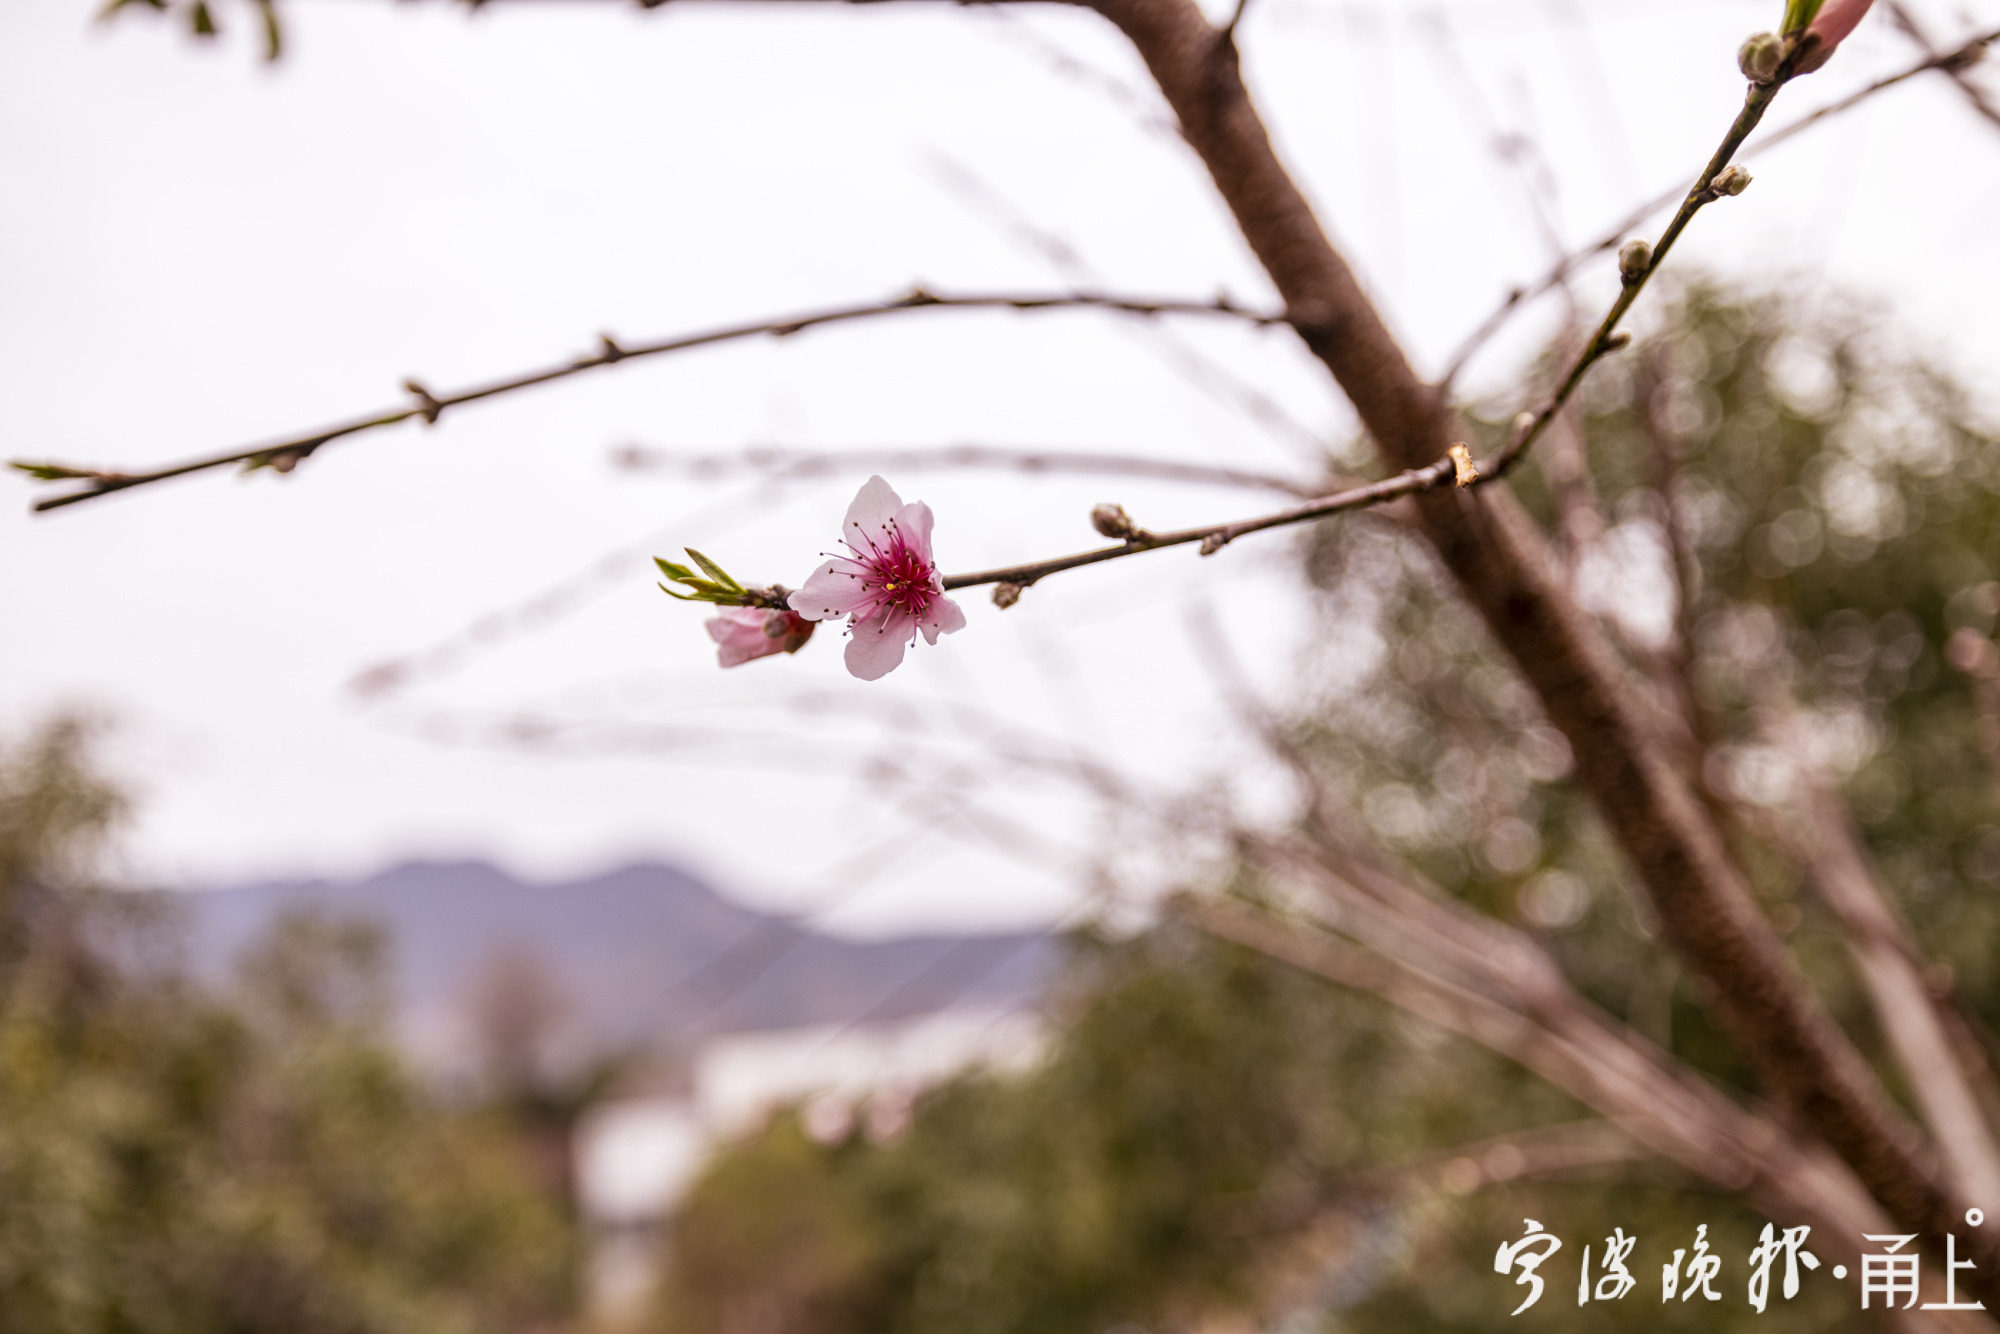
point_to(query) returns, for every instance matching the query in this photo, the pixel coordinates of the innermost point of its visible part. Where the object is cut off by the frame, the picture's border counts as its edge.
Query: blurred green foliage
(255, 1160)
(1781, 514)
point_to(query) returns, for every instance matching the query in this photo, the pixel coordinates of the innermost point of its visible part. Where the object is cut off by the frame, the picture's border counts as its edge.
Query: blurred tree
(257, 1160)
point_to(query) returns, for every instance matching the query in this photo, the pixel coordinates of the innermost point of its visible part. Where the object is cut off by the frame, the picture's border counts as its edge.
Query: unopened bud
(1006, 595)
(1113, 521)
(1213, 543)
(1729, 181)
(1760, 57)
(1634, 258)
(1617, 341)
(1524, 422)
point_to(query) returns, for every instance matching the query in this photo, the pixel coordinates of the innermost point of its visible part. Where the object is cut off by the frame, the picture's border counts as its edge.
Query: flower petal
(875, 504)
(740, 636)
(1837, 18)
(944, 617)
(832, 591)
(876, 647)
(913, 521)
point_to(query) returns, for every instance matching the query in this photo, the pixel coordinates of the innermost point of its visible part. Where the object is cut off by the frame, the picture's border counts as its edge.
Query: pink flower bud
(1829, 29)
(744, 633)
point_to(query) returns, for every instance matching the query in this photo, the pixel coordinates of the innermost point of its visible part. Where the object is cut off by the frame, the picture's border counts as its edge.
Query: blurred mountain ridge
(645, 958)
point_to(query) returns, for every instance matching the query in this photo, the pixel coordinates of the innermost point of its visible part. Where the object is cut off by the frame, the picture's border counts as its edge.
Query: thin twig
(286, 454)
(1956, 60)
(1214, 537)
(1706, 190)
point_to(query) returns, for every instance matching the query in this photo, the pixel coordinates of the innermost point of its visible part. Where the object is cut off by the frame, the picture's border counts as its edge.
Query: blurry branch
(284, 455)
(1977, 658)
(1561, 1038)
(802, 463)
(544, 607)
(1683, 564)
(1186, 358)
(1982, 103)
(1909, 1010)
(1563, 460)
(1954, 62)
(1314, 1235)
(1516, 152)
(1669, 1109)
(1144, 110)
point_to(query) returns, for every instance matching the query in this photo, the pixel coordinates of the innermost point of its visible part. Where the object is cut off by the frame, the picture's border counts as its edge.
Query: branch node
(1464, 471)
(427, 402)
(608, 350)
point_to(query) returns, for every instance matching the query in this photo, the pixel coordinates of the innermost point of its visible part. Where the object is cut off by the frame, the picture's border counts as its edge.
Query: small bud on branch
(1731, 180)
(1635, 257)
(1112, 521)
(1760, 57)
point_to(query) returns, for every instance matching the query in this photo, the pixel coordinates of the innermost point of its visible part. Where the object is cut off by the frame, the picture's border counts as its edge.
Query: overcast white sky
(199, 251)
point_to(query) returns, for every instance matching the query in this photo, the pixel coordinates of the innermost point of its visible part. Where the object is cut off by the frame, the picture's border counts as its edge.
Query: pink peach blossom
(887, 585)
(1835, 20)
(744, 633)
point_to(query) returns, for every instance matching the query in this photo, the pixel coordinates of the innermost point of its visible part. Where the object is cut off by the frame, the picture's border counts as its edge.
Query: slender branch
(801, 463)
(1213, 537)
(1658, 1102)
(1953, 62)
(1908, 1007)
(286, 454)
(1708, 187)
